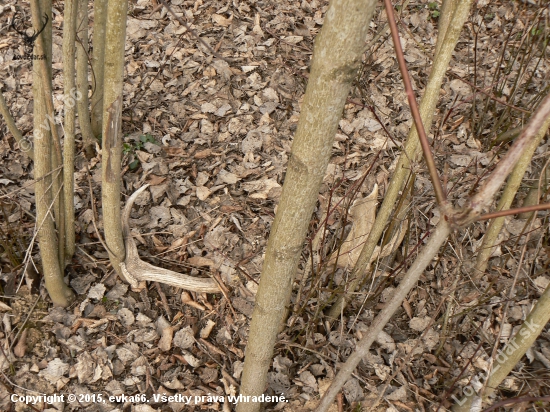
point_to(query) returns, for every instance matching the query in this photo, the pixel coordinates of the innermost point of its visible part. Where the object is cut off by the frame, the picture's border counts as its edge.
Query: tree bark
(98, 65)
(411, 149)
(23, 143)
(112, 127)
(69, 37)
(83, 104)
(337, 57)
(52, 266)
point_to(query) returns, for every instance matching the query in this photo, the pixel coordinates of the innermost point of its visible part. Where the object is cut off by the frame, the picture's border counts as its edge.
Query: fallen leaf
(155, 180)
(200, 261)
(4, 307)
(363, 214)
(203, 192)
(222, 21)
(21, 347)
(203, 154)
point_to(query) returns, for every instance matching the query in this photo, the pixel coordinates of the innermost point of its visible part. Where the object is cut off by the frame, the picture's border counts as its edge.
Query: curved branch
(135, 269)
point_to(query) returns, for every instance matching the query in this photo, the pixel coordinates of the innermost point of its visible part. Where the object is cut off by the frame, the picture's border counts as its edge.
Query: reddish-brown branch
(428, 156)
(503, 168)
(525, 209)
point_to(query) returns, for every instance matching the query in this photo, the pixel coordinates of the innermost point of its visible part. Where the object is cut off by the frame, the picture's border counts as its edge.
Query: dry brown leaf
(362, 214)
(200, 261)
(21, 347)
(222, 21)
(205, 332)
(155, 180)
(203, 154)
(203, 192)
(4, 307)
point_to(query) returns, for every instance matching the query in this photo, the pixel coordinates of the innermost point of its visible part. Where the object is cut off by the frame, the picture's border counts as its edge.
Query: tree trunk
(112, 126)
(52, 266)
(23, 143)
(69, 36)
(98, 63)
(411, 148)
(83, 104)
(337, 57)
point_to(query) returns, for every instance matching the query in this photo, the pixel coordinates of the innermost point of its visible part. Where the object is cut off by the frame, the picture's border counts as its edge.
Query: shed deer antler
(134, 269)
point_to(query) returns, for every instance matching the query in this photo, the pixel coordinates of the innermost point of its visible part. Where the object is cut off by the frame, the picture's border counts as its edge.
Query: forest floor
(212, 136)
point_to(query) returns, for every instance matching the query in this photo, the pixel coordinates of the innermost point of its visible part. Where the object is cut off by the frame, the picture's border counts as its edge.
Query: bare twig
(94, 212)
(485, 195)
(413, 274)
(489, 95)
(516, 211)
(428, 156)
(513, 401)
(12, 127)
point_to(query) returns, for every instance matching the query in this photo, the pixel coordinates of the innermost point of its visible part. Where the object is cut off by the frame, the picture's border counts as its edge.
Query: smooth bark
(98, 65)
(82, 50)
(52, 265)
(24, 145)
(337, 57)
(69, 36)
(112, 127)
(411, 151)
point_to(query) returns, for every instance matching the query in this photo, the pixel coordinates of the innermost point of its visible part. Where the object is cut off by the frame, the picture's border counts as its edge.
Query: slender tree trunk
(52, 266)
(69, 36)
(337, 57)
(44, 43)
(83, 104)
(112, 126)
(98, 65)
(23, 143)
(413, 274)
(411, 149)
(512, 185)
(447, 11)
(512, 352)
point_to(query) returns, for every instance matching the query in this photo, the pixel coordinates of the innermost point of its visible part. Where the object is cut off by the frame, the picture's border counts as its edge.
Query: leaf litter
(212, 137)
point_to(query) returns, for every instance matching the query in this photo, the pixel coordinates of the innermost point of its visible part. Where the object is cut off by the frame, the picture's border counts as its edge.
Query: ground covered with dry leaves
(212, 137)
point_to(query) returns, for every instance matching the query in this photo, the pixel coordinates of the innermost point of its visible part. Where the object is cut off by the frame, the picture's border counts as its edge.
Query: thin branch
(428, 156)
(513, 401)
(525, 209)
(485, 195)
(489, 95)
(438, 237)
(12, 127)
(94, 212)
